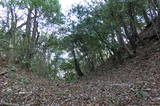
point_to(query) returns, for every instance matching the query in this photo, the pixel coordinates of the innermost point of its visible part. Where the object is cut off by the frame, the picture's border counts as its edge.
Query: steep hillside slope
(135, 82)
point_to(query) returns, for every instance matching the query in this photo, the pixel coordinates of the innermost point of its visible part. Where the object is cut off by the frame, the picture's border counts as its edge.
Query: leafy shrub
(70, 76)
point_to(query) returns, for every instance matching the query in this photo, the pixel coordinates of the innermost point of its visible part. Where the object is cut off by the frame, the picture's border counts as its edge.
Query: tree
(29, 38)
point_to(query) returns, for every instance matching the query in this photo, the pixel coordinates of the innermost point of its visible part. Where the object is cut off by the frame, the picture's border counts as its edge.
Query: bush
(70, 76)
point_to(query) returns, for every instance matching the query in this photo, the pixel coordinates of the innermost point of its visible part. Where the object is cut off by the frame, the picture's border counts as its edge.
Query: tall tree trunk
(134, 33)
(35, 27)
(88, 56)
(129, 38)
(121, 40)
(28, 39)
(34, 34)
(119, 36)
(12, 34)
(77, 66)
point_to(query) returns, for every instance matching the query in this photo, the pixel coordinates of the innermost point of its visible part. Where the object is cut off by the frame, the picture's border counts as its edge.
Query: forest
(103, 53)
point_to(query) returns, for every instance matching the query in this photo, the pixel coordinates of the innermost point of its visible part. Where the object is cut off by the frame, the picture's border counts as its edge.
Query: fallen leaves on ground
(136, 82)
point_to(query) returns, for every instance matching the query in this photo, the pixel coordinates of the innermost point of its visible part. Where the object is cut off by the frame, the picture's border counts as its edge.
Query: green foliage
(117, 101)
(4, 43)
(12, 68)
(97, 32)
(26, 50)
(23, 81)
(12, 75)
(70, 76)
(1, 3)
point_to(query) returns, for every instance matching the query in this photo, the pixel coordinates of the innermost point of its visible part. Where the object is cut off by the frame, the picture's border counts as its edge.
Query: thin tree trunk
(133, 29)
(12, 34)
(34, 34)
(28, 34)
(120, 36)
(88, 58)
(77, 66)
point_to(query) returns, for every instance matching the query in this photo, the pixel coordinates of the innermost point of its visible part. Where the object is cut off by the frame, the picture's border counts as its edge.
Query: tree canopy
(36, 34)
